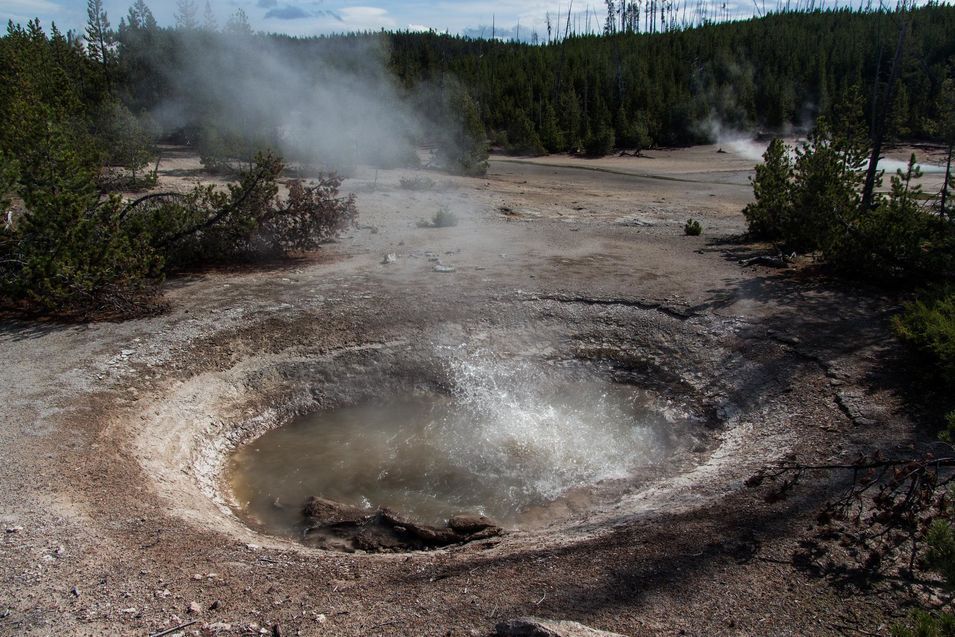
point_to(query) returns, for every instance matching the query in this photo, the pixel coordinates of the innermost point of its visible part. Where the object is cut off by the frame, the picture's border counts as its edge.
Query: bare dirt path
(108, 523)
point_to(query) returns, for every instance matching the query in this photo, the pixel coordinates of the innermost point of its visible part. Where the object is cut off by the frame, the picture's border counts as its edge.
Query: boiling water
(512, 436)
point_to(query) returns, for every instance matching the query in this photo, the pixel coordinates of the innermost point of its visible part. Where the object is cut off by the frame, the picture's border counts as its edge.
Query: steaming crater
(519, 440)
(561, 427)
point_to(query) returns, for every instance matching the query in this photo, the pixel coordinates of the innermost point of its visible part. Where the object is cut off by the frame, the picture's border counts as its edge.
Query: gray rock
(391, 257)
(322, 512)
(444, 268)
(536, 627)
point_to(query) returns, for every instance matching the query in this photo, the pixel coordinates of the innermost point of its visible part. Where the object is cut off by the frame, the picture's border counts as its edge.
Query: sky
(312, 17)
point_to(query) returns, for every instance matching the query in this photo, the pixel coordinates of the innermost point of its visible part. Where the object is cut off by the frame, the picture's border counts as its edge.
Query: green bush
(768, 215)
(128, 144)
(599, 142)
(74, 252)
(463, 150)
(443, 218)
(929, 325)
(693, 228)
(940, 557)
(895, 239)
(925, 624)
(416, 183)
(71, 253)
(522, 138)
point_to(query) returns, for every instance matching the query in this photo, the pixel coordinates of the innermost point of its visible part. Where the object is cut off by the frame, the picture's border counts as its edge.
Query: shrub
(940, 557)
(599, 142)
(929, 325)
(417, 183)
(767, 215)
(925, 624)
(464, 147)
(443, 218)
(70, 252)
(128, 143)
(76, 253)
(522, 138)
(693, 228)
(894, 238)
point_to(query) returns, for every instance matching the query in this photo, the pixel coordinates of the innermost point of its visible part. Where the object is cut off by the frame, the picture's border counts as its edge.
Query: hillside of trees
(674, 88)
(590, 93)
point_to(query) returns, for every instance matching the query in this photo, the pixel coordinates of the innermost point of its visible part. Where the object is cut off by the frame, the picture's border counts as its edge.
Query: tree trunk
(948, 178)
(879, 131)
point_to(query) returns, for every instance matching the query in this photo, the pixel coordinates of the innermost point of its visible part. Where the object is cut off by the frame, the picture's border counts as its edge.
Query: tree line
(626, 89)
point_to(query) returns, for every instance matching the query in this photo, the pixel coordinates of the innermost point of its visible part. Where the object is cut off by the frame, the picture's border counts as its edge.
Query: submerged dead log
(330, 524)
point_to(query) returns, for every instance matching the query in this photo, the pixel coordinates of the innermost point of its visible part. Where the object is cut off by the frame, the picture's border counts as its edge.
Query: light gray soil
(112, 435)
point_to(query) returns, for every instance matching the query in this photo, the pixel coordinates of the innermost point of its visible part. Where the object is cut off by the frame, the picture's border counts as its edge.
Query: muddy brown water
(508, 442)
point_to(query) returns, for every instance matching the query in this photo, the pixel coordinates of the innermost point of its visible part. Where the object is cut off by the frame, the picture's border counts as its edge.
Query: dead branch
(175, 628)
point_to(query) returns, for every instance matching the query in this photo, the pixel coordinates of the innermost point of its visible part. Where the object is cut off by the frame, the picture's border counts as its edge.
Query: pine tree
(769, 215)
(186, 15)
(551, 136)
(141, 17)
(209, 19)
(238, 23)
(99, 38)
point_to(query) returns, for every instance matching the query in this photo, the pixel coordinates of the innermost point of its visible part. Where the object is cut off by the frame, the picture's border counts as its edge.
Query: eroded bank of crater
(467, 431)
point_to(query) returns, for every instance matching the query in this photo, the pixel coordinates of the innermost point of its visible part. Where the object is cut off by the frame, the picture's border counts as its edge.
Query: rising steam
(331, 102)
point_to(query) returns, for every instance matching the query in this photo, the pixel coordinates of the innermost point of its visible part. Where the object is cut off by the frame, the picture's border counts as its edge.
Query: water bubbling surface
(513, 435)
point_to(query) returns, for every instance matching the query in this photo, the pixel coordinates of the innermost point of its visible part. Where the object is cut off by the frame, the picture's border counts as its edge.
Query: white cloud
(366, 18)
(29, 7)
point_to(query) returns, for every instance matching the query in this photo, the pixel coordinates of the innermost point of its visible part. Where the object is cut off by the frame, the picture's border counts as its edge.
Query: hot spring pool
(507, 440)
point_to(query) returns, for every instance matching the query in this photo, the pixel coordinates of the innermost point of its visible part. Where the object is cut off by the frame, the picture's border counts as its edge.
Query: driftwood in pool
(337, 526)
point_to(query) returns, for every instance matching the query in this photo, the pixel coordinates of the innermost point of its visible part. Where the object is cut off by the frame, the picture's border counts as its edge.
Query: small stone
(320, 618)
(535, 627)
(216, 605)
(194, 608)
(444, 269)
(220, 626)
(14, 529)
(391, 257)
